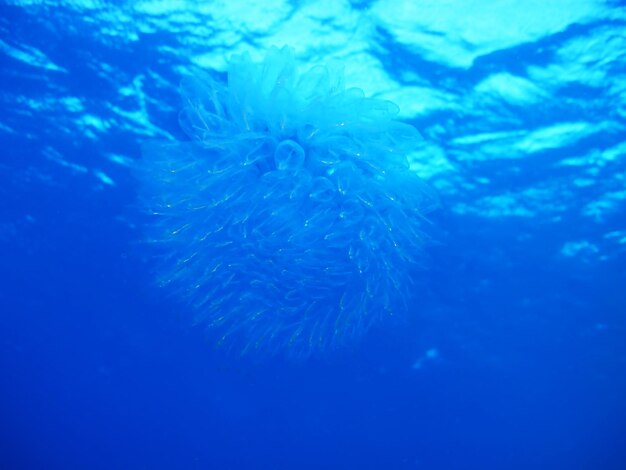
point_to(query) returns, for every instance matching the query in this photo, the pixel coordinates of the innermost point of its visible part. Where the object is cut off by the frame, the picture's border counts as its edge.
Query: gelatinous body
(290, 221)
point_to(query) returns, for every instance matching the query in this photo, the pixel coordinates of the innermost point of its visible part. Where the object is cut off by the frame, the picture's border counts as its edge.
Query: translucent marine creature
(290, 222)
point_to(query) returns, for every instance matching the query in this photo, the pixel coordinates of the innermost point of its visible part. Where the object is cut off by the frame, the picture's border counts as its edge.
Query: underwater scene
(323, 234)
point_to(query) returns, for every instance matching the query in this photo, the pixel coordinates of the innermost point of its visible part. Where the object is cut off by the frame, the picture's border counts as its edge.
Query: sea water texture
(512, 351)
(291, 221)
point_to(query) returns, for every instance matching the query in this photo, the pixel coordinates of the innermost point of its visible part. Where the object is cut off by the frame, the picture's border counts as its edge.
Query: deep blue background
(99, 369)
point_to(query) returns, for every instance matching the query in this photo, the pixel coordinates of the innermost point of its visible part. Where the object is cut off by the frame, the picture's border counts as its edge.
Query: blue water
(511, 353)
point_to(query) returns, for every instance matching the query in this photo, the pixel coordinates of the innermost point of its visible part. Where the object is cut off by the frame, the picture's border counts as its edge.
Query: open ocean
(324, 287)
